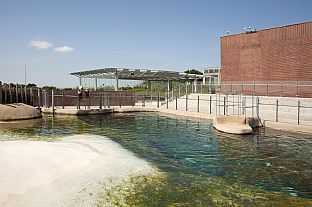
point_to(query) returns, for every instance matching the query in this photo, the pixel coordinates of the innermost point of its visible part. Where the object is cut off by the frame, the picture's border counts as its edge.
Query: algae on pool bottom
(201, 166)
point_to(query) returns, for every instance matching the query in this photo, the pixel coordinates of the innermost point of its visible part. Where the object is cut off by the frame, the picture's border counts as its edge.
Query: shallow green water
(267, 168)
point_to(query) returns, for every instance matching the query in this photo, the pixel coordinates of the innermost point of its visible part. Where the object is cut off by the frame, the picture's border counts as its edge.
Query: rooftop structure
(134, 74)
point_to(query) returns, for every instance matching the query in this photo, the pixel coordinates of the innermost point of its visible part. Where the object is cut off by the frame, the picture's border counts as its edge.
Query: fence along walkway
(278, 109)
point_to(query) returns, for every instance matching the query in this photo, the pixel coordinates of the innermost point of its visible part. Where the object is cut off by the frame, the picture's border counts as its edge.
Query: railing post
(158, 100)
(39, 104)
(167, 102)
(276, 116)
(224, 105)
(209, 104)
(231, 87)
(297, 87)
(176, 102)
(298, 117)
(63, 100)
(258, 106)
(0, 92)
(52, 96)
(120, 99)
(267, 89)
(252, 105)
(197, 103)
(101, 98)
(186, 102)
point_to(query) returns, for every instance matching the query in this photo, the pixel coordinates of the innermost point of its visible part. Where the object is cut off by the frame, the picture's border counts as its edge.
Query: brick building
(281, 54)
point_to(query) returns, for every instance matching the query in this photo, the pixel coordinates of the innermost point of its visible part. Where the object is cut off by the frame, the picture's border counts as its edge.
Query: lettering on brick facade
(255, 46)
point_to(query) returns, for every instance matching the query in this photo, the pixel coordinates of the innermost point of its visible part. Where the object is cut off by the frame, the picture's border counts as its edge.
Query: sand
(73, 172)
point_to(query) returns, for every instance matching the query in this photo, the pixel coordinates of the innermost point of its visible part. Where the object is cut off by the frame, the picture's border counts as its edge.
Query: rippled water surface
(197, 159)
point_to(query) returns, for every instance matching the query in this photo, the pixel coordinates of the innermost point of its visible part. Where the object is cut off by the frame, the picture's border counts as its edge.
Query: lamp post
(25, 72)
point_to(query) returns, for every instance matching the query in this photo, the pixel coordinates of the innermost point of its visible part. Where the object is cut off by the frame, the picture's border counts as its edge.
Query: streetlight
(25, 72)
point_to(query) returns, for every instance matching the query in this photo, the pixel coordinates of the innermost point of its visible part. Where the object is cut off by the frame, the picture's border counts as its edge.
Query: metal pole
(101, 97)
(158, 100)
(252, 105)
(39, 104)
(176, 102)
(63, 100)
(52, 101)
(186, 102)
(25, 88)
(16, 91)
(297, 86)
(276, 116)
(197, 103)
(224, 105)
(267, 88)
(120, 100)
(298, 122)
(167, 102)
(209, 104)
(258, 107)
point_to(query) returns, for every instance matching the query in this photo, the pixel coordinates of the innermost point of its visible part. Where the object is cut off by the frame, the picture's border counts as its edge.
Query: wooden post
(5, 93)
(16, 93)
(31, 101)
(0, 92)
(10, 94)
(25, 88)
(22, 95)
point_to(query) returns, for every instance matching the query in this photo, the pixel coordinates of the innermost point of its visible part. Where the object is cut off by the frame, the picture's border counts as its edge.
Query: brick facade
(270, 55)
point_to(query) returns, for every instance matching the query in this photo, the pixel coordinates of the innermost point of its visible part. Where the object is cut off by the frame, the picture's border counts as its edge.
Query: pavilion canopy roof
(135, 74)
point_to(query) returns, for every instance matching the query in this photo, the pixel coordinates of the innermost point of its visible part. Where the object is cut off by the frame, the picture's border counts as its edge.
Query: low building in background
(212, 76)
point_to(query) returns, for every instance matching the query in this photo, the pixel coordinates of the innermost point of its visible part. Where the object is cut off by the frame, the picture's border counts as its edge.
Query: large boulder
(18, 111)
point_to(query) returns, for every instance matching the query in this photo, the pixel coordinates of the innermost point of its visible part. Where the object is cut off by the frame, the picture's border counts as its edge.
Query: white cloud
(64, 49)
(40, 44)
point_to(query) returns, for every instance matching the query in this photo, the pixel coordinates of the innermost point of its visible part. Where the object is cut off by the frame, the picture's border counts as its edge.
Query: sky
(54, 38)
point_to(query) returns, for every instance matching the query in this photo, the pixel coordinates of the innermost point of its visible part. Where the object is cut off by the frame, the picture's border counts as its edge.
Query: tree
(193, 71)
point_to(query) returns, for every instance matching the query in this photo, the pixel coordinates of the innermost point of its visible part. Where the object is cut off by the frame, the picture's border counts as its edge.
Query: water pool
(203, 167)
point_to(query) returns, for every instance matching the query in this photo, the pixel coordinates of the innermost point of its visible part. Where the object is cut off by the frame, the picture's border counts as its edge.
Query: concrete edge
(288, 127)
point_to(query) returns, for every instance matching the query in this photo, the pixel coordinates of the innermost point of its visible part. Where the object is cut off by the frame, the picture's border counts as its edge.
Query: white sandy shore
(72, 172)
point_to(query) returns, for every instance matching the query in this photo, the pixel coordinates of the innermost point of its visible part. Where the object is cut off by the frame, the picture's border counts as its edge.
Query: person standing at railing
(87, 96)
(79, 96)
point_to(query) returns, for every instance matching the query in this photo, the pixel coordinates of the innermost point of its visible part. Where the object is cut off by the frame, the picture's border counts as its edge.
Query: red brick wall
(278, 54)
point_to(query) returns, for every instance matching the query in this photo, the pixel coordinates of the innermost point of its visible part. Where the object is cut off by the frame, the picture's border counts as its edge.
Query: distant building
(211, 76)
(270, 55)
